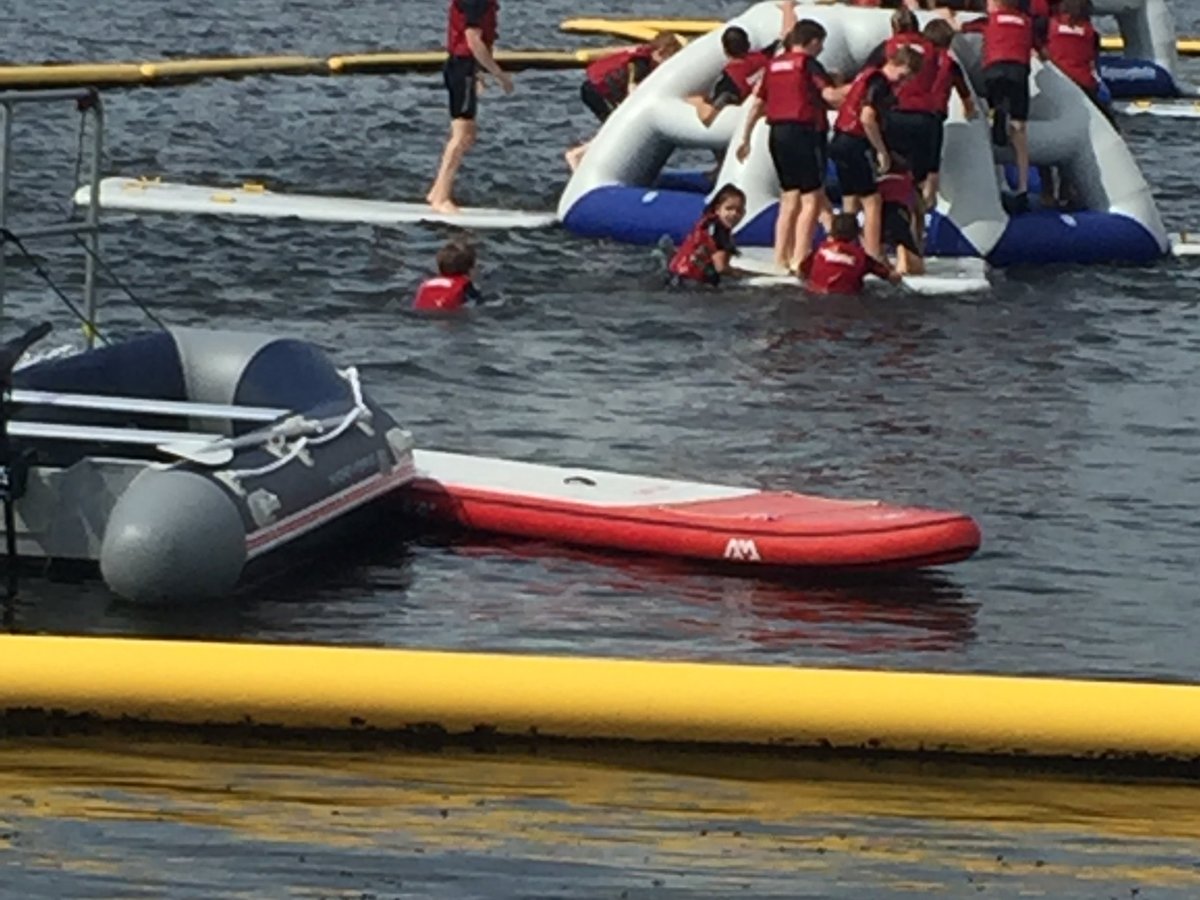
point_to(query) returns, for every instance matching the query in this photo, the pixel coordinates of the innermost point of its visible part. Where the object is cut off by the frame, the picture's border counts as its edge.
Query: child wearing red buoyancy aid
(1008, 42)
(471, 32)
(452, 288)
(609, 80)
(949, 80)
(898, 190)
(705, 253)
(742, 71)
(793, 95)
(840, 264)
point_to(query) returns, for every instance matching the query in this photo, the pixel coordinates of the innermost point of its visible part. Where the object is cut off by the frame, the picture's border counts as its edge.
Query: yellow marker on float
(481, 694)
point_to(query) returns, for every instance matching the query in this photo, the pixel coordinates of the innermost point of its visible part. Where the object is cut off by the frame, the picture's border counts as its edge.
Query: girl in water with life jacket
(705, 254)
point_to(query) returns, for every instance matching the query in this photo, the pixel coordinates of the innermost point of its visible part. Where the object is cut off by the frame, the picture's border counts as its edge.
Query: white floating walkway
(142, 195)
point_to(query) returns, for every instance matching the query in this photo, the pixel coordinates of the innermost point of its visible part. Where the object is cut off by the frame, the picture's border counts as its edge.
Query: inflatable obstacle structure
(1148, 64)
(612, 194)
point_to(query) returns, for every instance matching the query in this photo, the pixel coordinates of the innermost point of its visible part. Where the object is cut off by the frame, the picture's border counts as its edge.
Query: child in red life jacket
(949, 79)
(897, 189)
(1073, 44)
(1008, 42)
(858, 148)
(452, 288)
(471, 33)
(840, 264)
(911, 126)
(609, 80)
(793, 95)
(705, 254)
(742, 71)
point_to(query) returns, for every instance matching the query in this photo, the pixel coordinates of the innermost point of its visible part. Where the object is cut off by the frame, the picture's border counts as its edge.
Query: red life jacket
(849, 117)
(694, 258)
(1072, 47)
(456, 30)
(443, 293)
(1039, 9)
(915, 94)
(790, 91)
(943, 82)
(742, 71)
(897, 187)
(610, 74)
(1007, 37)
(838, 267)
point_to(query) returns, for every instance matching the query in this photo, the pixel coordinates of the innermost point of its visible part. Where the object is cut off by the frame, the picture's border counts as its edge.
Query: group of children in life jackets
(886, 143)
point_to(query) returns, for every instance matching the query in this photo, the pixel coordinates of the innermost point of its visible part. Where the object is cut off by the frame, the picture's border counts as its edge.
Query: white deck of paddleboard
(944, 275)
(140, 195)
(607, 489)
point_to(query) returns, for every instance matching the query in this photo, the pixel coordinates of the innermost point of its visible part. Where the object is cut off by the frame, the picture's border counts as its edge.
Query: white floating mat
(1170, 108)
(944, 274)
(1185, 244)
(252, 200)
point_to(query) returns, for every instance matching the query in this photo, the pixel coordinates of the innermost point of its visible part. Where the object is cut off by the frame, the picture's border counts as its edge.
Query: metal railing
(87, 100)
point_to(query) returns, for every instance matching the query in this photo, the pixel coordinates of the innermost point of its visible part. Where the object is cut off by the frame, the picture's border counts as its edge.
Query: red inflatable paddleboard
(683, 519)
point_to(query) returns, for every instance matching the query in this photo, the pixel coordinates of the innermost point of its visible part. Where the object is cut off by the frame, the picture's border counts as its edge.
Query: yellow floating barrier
(70, 74)
(175, 70)
(646, 29)
(498, 696)
(246, 65)
(512, 60)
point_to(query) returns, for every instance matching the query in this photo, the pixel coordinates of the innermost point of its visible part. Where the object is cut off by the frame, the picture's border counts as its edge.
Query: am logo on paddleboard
(743, 550)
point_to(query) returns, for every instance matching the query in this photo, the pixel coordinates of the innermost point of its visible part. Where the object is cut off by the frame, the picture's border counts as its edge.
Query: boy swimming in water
(454, 286)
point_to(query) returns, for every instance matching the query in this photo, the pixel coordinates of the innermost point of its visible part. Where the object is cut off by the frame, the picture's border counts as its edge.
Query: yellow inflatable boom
(353, 689)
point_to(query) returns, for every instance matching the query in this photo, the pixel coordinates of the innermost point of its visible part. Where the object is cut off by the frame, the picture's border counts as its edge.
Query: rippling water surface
(1059, 409)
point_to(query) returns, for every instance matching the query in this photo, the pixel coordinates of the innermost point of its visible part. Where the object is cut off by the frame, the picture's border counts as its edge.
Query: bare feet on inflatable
(443, 205)
(575, 155)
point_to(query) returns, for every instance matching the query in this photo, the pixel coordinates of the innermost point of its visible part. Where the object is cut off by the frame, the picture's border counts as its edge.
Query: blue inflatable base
(1131, 78)
(645, 216)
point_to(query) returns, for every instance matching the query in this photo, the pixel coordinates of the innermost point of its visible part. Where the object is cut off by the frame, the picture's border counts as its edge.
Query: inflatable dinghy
(683, 519)
(190, 463)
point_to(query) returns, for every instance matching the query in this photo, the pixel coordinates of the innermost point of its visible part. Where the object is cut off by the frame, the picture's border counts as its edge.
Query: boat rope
(7, 236)
(70, 211)
(277, 437)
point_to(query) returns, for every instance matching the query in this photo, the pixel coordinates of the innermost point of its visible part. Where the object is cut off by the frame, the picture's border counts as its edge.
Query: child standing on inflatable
(911, 126)
(898, 191)
(705, 254)
(609, 80)
(1008, 41)
(454, 286)
(858, 148)
(793, 94)
(841, 264)
(470, 36)
(949, 78)
(1073, 44)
